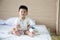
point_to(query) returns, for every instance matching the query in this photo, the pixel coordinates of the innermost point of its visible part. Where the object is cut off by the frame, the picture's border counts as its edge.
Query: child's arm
(28, 27)
(30, 31)
(15, 30)
(17, 27)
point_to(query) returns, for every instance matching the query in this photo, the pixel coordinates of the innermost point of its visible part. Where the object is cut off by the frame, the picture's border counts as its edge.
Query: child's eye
(23, 12)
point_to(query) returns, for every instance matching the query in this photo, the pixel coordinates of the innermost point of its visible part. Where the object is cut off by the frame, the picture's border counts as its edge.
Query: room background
(42, 11)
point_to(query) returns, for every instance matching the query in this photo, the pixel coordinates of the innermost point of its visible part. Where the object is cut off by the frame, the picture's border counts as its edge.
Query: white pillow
(11, 21)
(2, 22)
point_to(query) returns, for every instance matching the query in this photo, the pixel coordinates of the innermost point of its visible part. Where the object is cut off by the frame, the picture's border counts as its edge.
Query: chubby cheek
(19, 13)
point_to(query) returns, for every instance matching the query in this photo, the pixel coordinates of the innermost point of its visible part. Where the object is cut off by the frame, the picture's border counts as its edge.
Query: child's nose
(22, 12)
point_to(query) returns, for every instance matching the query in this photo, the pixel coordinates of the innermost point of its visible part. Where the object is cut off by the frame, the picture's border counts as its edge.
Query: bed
(5, 35)
(7, 25)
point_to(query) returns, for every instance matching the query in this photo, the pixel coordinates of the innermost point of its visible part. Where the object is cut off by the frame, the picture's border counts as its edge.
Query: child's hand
(32, 33)
(15, 32)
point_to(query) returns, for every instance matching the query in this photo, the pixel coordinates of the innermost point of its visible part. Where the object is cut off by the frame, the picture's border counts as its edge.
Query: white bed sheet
(4, 34)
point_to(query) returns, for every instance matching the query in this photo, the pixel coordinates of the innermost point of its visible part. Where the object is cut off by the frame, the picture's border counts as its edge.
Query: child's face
(23, 13)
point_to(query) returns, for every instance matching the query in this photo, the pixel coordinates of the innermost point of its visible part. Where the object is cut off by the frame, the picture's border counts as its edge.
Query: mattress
(5, 34)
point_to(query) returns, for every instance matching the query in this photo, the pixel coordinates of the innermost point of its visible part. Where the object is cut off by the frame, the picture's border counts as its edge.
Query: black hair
(23, 7)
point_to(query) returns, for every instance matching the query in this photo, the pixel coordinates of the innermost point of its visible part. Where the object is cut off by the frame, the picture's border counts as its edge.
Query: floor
(55, 37)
